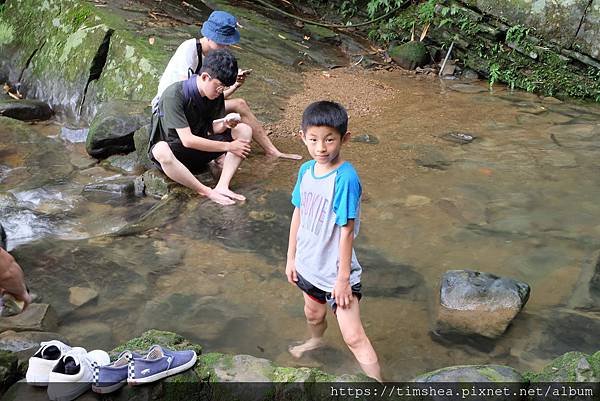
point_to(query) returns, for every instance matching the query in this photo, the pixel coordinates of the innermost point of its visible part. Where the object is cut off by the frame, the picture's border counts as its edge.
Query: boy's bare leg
(179, 173)
(316, 319)
(232, 162)
(357, 340)
(260, 135)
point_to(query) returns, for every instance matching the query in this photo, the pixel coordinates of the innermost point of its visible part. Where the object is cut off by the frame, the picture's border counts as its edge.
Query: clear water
(519, 201)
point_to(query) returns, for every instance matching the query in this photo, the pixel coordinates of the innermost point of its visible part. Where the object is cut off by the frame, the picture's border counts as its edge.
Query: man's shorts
(321, 296)
(195, 160)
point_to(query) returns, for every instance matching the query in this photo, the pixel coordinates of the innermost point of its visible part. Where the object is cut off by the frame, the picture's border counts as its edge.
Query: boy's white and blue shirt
(326, 204)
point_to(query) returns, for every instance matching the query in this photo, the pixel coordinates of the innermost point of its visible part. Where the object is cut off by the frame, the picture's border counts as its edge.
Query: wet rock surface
(111, 131)
(25, 109)
(472, 374)
(37, 317)
(472, 302)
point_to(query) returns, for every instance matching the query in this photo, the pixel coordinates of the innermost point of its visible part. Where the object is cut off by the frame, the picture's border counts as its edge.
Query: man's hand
(241, 77)
(342, 293)
(240, 147)
(290, 271)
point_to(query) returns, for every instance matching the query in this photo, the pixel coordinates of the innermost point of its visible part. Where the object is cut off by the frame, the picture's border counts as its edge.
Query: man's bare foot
(291, 156)
(298, 350)
(229, 193)
(219, 198)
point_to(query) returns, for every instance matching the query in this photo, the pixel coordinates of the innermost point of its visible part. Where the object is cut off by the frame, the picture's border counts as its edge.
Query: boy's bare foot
(229, 193)
(219, 198)
(278, 154)
(298, 350)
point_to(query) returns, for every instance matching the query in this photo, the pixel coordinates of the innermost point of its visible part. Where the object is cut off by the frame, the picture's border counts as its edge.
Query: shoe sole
(56, 391)
(108, 389)
(162, 375)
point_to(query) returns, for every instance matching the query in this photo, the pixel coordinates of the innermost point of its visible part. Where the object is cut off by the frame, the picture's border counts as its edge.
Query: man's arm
(238, 147)
(290, 267)
(12, 279)
(241, 78)
(342, 291)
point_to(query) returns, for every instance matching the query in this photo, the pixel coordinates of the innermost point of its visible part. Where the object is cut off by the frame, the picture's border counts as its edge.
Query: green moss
(7, 33)
(163, 338)
(206, 363)
(562, 369)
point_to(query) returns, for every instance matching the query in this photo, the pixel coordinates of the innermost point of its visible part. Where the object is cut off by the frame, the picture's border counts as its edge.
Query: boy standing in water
(320, 257)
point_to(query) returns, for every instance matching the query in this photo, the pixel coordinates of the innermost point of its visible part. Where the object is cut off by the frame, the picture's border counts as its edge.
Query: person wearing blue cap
(218, 31)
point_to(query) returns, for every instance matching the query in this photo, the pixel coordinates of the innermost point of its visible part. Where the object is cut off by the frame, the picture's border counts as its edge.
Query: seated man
(219, 31)
(188, 131)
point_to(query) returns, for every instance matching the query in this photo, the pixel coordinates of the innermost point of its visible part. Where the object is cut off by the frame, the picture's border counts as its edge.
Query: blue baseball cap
(220, 27)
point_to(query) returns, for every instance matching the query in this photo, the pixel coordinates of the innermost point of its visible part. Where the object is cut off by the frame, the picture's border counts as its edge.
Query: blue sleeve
(346, 197)
(296, 193)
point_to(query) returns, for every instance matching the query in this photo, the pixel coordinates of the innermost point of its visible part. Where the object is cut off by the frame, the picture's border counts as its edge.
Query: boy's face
(210, 87)
(324, 143)
(212, 45)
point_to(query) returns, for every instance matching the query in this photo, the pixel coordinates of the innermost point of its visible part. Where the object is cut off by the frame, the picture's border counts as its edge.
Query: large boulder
(75, 55)
(410, 55)
(473, 302)
(111, 131)
(25, 110)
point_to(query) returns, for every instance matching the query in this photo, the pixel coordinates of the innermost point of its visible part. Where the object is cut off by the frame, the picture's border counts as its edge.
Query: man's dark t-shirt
(181, 106)
(176, 110)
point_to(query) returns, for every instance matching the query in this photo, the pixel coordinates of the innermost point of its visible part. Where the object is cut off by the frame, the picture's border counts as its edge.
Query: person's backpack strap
(199, 51)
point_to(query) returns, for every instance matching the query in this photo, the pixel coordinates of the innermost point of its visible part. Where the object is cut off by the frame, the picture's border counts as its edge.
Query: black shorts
(321, 296)
(195, 160)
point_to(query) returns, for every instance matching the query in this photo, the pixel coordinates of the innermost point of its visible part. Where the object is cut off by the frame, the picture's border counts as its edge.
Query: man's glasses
(221, 88)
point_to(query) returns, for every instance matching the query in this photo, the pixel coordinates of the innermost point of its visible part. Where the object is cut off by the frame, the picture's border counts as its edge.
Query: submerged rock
(365, 138)
(472, 374)
(37, 317)
(473, 302)
(25, 109)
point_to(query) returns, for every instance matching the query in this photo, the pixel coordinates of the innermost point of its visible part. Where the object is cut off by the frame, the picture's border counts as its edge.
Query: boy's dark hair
(222, 65)
(327, 114)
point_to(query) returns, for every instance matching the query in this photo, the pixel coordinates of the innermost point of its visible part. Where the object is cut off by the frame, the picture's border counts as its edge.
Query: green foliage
(374, 7)
(7, 33)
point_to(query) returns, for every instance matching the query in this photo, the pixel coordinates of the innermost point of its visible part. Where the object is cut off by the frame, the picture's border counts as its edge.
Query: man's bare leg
(258, 132)
(356, 339)
(176, 171)
(232, 162)
(316, 319)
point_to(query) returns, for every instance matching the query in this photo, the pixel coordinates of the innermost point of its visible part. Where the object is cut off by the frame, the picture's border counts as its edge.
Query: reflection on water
(520, 200)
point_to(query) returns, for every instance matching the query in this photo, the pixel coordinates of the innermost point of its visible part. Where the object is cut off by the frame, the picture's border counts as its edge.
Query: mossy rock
(410, 55)
(570, 367)
(472, 374)
(112, 129)
(9, 372)
(165, 339)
